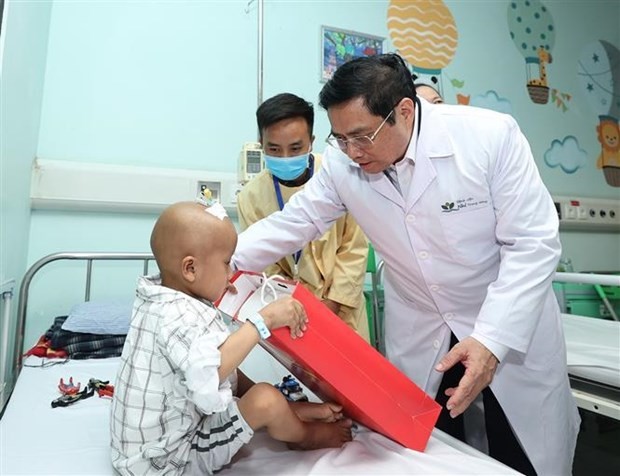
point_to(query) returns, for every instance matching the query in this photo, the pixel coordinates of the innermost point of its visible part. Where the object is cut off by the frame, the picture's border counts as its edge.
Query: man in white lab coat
(451, 199)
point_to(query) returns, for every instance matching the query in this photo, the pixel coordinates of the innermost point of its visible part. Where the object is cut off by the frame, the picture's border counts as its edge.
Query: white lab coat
(483, 269)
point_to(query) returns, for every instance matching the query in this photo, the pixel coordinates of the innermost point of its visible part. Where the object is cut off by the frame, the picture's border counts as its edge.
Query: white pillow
(99, 317)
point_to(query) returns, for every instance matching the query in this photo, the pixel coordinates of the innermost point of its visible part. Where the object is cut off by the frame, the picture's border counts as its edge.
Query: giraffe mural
(538, 87)
(533, 33)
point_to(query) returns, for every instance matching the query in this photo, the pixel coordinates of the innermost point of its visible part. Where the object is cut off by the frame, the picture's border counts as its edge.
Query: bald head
(187, 229)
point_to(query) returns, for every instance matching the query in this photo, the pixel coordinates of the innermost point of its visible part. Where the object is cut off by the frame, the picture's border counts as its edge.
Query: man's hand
(480, 365)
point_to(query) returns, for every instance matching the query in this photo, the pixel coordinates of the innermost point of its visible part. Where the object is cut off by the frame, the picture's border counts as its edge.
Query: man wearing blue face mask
(332, 267)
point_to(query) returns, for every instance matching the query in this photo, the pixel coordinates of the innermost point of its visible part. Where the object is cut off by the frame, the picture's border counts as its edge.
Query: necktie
(392, 175)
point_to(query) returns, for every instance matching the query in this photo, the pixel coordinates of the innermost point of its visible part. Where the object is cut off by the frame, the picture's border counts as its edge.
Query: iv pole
(259, 79)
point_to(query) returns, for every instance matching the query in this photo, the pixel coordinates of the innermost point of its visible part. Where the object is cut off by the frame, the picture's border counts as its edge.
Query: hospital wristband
(260, 325)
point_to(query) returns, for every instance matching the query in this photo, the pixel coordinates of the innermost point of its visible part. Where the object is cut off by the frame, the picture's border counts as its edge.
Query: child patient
(180, 405)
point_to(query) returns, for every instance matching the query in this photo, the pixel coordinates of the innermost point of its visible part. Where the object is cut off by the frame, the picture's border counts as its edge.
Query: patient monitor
(251, 161)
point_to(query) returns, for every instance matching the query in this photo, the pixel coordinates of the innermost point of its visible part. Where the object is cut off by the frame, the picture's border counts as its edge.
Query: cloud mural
(491, 100)
(566, 154)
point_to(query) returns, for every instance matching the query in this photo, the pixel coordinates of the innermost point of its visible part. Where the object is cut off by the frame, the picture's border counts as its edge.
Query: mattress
(38, 439)
(593, 349)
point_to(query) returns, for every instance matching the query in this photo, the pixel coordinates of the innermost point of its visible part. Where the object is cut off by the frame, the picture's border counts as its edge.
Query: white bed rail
(24, 289)
(588, 278)
(596, 280)
(579, 278)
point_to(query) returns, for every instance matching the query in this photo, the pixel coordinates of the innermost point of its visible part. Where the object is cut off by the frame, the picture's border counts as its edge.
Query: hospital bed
(593, 353)
(38, 439)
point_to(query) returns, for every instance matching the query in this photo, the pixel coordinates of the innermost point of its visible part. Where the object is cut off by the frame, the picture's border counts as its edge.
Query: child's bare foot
(326, 412)
(324, 435)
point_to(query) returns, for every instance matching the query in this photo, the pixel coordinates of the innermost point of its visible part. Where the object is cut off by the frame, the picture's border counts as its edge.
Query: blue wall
(149, 83)
(174, 84)
(22, 71)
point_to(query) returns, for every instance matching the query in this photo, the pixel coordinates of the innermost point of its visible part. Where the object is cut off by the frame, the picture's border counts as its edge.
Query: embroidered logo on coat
(448, 207)
(465, 203)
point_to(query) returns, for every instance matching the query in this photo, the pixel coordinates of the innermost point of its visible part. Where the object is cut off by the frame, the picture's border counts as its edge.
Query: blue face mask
(287, 168)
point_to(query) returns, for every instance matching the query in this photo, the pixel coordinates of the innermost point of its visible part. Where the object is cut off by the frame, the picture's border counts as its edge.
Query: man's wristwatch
(260, 325)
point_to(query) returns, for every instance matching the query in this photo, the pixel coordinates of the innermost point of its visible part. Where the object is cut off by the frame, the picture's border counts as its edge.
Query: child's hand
(285, 311)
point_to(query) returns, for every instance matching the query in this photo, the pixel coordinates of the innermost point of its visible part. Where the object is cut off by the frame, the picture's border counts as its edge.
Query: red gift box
(338, 365)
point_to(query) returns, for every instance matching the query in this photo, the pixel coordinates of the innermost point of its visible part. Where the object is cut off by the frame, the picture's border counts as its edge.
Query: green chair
(373, 293)
(610, 295)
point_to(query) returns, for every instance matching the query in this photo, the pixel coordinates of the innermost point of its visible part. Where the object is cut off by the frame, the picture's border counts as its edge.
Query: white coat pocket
(470, 234)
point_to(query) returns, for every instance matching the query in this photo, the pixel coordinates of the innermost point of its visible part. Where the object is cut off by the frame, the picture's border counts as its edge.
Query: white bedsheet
(38, 439)
(593, 348)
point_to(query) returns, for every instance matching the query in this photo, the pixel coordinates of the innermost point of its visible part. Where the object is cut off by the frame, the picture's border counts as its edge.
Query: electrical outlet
(214, 187)
(583, 213)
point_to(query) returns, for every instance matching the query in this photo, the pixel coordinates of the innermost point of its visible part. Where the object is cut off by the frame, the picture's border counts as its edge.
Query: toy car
(290, 388)
(71, 394)
(68, 388)
(103, 388)
(69, 399)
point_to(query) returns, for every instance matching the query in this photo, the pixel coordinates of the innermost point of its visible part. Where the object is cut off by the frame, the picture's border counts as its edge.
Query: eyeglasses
(359, 142)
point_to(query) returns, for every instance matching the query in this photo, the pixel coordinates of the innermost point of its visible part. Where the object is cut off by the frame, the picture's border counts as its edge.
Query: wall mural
(425, 35)
(566, 154)
(492, 100)
(533, 33)
(598, 70)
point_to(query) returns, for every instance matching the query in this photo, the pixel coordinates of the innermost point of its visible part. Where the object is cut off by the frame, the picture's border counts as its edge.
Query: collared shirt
(401, 173)
(168, 378)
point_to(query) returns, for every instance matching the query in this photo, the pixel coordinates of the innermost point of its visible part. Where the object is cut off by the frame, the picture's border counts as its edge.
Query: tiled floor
(598, 446)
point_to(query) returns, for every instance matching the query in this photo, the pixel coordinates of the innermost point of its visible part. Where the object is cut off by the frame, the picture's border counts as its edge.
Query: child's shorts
(219, 438)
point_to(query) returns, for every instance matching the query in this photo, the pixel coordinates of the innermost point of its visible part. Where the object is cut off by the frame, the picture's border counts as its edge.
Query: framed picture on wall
(339, 46)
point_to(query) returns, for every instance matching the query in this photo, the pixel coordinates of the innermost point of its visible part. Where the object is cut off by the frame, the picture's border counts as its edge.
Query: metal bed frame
(591, 395)
(596, 397)
(89, 258)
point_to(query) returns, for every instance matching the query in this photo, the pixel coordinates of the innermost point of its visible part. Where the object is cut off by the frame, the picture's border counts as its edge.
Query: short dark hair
(382, 80)
(284, 106)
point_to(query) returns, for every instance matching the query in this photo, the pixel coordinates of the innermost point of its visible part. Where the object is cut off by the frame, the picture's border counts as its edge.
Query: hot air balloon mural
(598, 69)
(425, 35)
(533, 33)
